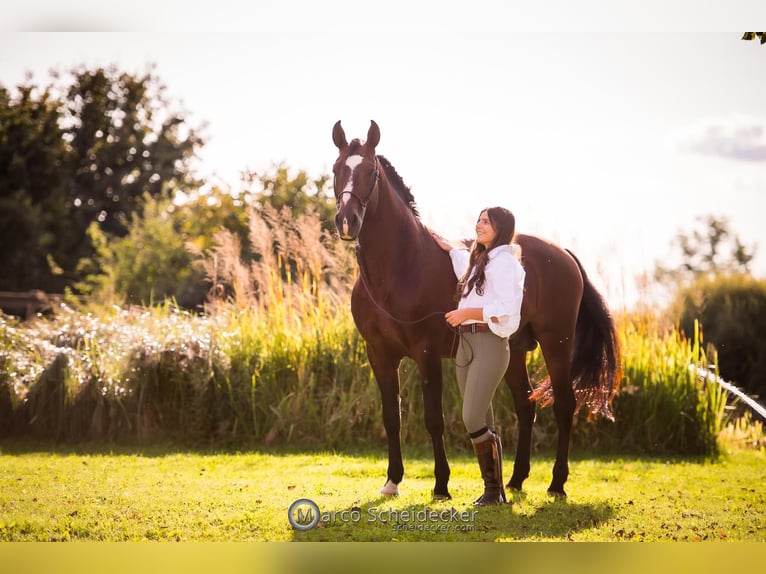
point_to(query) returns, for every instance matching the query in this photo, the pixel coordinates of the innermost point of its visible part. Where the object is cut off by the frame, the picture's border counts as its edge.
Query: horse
(406, 284)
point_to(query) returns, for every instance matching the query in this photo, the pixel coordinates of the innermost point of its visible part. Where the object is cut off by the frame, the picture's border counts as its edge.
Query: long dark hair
(504, 224)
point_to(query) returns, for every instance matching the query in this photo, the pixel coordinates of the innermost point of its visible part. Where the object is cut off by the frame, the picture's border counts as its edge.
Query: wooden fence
(27, 304)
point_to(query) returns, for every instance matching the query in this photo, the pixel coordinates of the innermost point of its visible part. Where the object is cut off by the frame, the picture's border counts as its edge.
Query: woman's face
(485, 233)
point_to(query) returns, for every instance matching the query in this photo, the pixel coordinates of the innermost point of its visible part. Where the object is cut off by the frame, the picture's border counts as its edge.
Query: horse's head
(355, 179)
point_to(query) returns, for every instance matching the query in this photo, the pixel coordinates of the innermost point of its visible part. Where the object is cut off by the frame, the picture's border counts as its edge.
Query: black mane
(399, 186)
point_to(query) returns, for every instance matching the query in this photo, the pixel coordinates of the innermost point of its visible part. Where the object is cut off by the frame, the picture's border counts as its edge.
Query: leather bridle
(362, 202)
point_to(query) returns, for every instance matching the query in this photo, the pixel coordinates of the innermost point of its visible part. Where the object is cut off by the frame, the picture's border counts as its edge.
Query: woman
(489, 294)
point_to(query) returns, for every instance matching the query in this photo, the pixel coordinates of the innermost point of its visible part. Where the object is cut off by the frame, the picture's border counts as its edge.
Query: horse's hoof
(557, 493)
(442, 496)
(512, 485)
(390, 488)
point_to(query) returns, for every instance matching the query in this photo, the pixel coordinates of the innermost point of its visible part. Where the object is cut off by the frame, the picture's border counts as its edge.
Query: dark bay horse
(405, 286)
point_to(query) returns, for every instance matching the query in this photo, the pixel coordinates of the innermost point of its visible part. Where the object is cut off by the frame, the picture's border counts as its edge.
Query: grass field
(160, 493)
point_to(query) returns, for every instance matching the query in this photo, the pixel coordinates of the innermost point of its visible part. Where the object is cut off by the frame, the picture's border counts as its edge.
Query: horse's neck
(390, 242)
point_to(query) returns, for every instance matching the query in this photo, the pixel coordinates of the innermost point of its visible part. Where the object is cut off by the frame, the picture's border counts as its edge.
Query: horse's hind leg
(431, 374)
(517, 379)
(386, 372)
(557, 352)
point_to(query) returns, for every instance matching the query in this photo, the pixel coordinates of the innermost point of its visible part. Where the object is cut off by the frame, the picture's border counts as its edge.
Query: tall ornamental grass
(244, 376)
(664, 406)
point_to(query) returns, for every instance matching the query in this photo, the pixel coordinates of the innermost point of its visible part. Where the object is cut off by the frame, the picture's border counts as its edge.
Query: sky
(608, 132)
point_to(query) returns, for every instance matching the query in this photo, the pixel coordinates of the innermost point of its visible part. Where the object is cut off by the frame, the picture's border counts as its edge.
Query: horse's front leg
(430, 367)
(386, 370)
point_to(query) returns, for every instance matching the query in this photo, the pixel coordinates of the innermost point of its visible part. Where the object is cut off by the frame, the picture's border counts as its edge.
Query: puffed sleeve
(460, 260)
(505, 279)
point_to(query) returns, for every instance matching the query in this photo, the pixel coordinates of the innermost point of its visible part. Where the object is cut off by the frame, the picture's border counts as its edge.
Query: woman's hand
(441, 242)
(454, 317)
(457, 316)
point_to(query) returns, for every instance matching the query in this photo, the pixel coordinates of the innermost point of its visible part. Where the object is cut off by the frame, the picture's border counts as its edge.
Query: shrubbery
(732, 312)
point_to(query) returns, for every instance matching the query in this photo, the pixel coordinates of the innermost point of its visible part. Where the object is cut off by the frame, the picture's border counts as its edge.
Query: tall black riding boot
(490, 456)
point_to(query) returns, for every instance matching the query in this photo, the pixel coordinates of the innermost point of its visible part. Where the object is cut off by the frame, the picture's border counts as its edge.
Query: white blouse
(503, 288)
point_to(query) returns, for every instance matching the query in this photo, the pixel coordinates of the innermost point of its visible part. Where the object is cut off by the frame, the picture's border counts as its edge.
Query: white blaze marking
(352, 162)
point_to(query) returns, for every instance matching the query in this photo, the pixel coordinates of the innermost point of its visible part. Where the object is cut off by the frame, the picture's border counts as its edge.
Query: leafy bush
(179, 248)
(154, 262)
(732, 312)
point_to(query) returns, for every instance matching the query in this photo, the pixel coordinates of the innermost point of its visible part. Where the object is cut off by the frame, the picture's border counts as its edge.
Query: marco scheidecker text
(304, 514)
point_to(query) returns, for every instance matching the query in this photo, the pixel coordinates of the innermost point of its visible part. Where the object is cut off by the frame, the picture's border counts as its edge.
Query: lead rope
(379, 306)
(403, 321)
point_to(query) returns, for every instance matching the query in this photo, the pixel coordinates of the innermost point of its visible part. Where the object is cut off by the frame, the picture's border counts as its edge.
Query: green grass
(161, 493)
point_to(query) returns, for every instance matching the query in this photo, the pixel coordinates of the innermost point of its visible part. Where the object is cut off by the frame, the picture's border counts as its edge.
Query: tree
(126, 140)
(753, 35)
(709, 251)
(713, 286)
(77, 154)
(34, 232)
(279, 188)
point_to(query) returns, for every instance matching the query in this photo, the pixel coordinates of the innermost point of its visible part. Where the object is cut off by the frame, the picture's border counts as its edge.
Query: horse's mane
(402, 190)
(399, 186)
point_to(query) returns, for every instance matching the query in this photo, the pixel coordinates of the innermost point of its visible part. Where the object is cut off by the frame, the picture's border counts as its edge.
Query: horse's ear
(339, 136)
(373, 135)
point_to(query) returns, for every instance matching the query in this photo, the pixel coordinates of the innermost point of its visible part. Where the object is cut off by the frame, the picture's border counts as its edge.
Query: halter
(362, 270)
(362, 202)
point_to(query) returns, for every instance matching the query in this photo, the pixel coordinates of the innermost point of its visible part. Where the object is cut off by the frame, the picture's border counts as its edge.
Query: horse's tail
(596, 362)
(596, 368)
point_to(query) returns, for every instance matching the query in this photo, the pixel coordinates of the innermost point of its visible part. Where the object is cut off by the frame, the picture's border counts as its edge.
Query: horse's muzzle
(348, 226)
